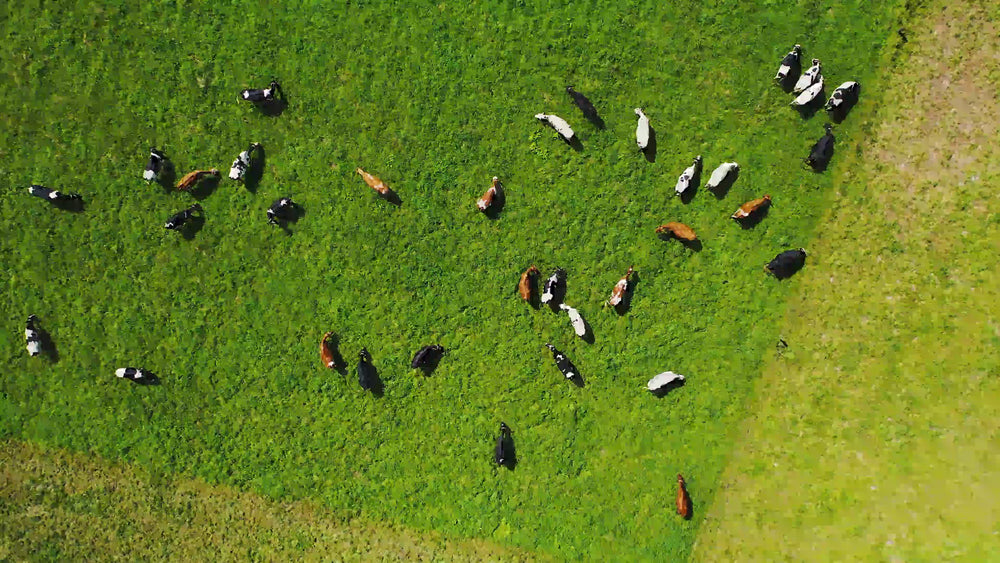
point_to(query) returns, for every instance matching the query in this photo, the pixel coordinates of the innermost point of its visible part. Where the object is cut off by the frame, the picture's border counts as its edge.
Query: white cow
(662, 380)
(792, 58)
(579, 326)
(808, 78)
(720, 174)
(557, 123)
(809, 94)
(642, 130)
(684, 182)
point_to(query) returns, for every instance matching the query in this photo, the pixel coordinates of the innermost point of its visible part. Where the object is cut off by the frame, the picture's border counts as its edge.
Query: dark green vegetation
(434, 100)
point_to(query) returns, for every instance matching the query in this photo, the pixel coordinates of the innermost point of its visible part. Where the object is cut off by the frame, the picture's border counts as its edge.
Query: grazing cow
(426, 355)
(135, 375)
(157, 160)
(374, 182)
(502, 453)
(581, 101)
(527, 284)
(821, 153)
(661, 381)
(810, 77)
(721, 174)
(809, 94)
(494, 191)
(366, 371)
(242, 163)
(281, 211)
(684, 181)
(328, 352)
(53, 196)
(792, 59)
(642, 130)
(191, 179)
(579, 326)
(618, 292)
(262, 95)
(679, 231)
(683, 500)
(845, 95)
(552, 285)
(557, 123)
(33, 336)
(562, 362)
(787, 263)
(177, 220)
(751, 207)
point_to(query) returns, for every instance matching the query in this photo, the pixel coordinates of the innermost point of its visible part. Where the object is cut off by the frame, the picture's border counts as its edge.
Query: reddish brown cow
(751, 207)
(677, 230)
(486, 201)
(191, 179)
(618, 292)
(376, 184)
(527, 285)
(326, 352)
(683, 500)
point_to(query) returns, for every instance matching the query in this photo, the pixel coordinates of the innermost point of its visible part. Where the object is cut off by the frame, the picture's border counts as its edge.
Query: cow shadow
(293, 215)
(588, 332)
(190, 228)
(499, 201)
(666, 389)
(254, 174)
(339, 364)
(807, 111)
(47, 345)
(725, 185)
(625, 304)
(788, 82)
(391, 196)
(692, 188)
(595, 120)
(650, 151)
(275, 106)
(205, 187)
(576, 143)
(167, 176)
(378, 387)
(754, 219)
(693, 245)
(75, 205)
(577, 378)
(690, 513)
(534, 299)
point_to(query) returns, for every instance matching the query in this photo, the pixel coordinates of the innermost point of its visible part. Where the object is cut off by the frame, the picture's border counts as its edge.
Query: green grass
(435, 99)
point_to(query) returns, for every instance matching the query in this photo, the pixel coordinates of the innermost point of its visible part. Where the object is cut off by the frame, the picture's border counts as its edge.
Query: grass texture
(435, 99)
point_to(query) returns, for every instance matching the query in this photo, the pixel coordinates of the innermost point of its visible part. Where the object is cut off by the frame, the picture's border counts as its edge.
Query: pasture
(434, 99)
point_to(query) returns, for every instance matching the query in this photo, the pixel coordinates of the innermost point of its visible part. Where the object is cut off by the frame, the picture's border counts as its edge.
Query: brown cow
(677, 230)
(191, 179)
(751, 207)
(375, 182)
(494, 191)
(683, 500)
(326, 351)
(527, 283)
(618, 292)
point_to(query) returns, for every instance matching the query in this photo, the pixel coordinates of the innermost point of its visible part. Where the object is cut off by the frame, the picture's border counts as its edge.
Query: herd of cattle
(807, 86)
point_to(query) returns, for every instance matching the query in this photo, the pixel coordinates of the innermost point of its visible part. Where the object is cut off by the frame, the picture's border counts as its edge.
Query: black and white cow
(426, 356)
(562, 362)
(136, 375)
(262, 95)
(809, 77)
(553, 285)
(366, 371)
(177, 220)
(242, 163)
(791, 61)
(822, 151)
(53, 195)
(559, 124)
(503, 453)
(157, 160)
(33, 336)
(686, 177)
(787, 263)
(281, 211)
(844, 96)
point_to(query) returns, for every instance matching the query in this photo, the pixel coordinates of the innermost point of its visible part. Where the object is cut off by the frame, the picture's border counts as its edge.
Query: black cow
(177, 220)
(562, 362)
(503, 454)
(53, 195)
(366, 371)
(426, 356)
(157, 160)
(787, 263)
(282, 211)
(821, 153)
(262, 95)
(588, 109)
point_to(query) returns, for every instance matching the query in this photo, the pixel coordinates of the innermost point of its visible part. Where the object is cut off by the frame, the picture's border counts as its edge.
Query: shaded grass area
(874, 435)
(435, 100)
(62, 506)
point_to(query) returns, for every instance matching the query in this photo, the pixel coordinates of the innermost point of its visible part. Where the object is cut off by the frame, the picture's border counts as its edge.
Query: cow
(750, 208)
(374, 182)
(191, 179)
(562, 362)
(679, 231)
(258, 96)
(722, 174)
(33, 336)
(242, 163)
(177, 220)
(579, 325)
(424, 358)
(809, 77)
(281, 211)
(53, 196)
(784, 265)
(618, 292)
(683, 500)
(559, 124)
(844, 96)
(581, 101)
(809, 94)
(503, 453)
(791, 60)
(495, 191)
(686, 177)
(821, 153)
(328, 351)
(136, 375)
(662, 381)
(553, 285)
(527, 284)
(366, 371)
(642, 130)
(155, 165)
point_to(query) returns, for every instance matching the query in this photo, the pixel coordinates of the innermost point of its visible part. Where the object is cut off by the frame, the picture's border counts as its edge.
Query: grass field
(435, 99)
